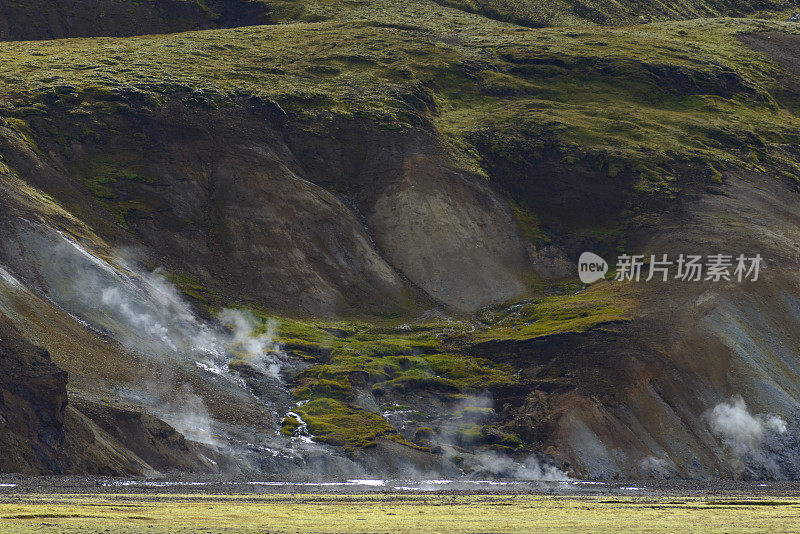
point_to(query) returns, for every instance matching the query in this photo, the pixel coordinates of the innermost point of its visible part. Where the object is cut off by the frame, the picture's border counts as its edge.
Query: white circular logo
(591, 267)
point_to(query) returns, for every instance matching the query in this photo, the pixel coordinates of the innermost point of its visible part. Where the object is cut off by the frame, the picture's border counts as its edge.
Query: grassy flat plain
(393, 513)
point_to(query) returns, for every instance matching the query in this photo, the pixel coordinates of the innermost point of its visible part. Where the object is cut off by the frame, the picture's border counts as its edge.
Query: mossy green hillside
(338, 423)
(401, 362)
(193, 288)
(644, 111)
(600, 304)
(385, 357)
(539, 13)
(379, 359)
(290, 425)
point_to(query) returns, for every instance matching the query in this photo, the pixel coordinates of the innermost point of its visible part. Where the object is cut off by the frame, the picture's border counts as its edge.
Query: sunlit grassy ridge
(637, 101)
(560, 314)
(566, 12)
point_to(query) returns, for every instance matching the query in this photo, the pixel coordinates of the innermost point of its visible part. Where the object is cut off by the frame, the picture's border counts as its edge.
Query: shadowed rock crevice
(58, 19)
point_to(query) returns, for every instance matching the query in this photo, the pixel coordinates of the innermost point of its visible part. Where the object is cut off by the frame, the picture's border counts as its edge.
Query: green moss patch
(399, 363)
(602, 303)
(193, 288)
(336, 423)
(384, 360)
(626, 114)
(289, 425)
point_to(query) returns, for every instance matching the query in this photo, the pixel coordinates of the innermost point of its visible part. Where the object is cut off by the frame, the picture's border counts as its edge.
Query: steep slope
(33, 399)
(364, 187)
(42, 434)
(54, 19)
(619, 398)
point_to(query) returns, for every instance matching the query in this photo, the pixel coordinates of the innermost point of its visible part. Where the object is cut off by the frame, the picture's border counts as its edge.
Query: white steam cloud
(656, 467)
(187, 414)
(746, 434)
(528, 469)
(477, 410)
(260, 350)
(148, 314)
(145, 312)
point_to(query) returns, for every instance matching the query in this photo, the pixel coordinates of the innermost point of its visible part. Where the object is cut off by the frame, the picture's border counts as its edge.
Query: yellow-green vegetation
(528, 224)
(567, 12)
(428, 513)
(383, 360)
(22, 129)
(599, 304)
(441, 371)
(404, 357)
(565, 121)
(31, 203)
(193, 287)
(289, 425)
(401, 361)
(361, 62)
(337, 423)
(633, 109)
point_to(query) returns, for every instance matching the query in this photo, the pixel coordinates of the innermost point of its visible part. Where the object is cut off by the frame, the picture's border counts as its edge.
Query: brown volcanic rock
(632, 399)
(450, 234)
(53, 19)
(41, 434)
(361, 222)
(33, 397)
(152, 440)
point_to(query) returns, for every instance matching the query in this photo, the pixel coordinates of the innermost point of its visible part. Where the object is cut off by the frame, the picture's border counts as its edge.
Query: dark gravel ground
(16, 485)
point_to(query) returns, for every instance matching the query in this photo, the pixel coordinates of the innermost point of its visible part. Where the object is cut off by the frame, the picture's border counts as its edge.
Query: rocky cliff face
(238, 202)
(43, 434)
(34, 399)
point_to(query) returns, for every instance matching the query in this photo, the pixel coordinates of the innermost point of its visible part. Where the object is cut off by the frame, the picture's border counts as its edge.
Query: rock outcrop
(33, 400)
(42, 433)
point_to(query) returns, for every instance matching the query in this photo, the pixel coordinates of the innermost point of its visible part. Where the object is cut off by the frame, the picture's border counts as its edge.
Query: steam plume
(746, 434)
